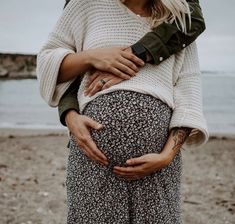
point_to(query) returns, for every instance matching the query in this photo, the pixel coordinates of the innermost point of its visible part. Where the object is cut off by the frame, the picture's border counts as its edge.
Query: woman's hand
(93, 84)
(142, 166)
(79, 126)
(118, 61)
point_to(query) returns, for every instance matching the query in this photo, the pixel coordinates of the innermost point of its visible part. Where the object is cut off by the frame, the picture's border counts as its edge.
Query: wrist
(88, 58)
(168, 156)
(149, 57)
(69, 115)
(140, 51)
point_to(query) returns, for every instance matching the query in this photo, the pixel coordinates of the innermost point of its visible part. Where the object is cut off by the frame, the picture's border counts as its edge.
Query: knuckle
(122, 76)
(133, 67)
(120, 73)
(98, 85)
(132, 57)
(84, 138)
(106, 86)
(120, 58)
(107, 65)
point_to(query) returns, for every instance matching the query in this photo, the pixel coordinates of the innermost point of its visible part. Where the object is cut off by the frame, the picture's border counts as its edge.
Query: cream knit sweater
(106, 23)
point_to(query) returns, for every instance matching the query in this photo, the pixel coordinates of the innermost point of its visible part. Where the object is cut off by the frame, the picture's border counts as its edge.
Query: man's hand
(79, 127)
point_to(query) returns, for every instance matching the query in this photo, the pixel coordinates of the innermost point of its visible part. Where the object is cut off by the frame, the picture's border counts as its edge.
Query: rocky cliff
(17, 66)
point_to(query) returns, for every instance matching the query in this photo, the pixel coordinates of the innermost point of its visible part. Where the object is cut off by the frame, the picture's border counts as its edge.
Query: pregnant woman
(134, 173)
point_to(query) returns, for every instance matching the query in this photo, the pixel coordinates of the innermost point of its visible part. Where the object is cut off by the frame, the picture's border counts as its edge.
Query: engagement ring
(102, 81)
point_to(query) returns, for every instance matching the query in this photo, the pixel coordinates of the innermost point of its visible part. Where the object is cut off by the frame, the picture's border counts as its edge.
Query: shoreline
(33, 132)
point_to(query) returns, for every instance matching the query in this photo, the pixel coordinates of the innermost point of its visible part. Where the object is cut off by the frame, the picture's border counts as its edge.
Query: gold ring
(102, 81)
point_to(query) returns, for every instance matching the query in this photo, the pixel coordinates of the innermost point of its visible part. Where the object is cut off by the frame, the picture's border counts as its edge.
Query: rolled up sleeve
(49, 63)
(60, 43)
(188, 111)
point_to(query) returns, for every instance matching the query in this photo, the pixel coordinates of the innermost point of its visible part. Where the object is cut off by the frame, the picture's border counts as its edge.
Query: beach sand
(33, 169)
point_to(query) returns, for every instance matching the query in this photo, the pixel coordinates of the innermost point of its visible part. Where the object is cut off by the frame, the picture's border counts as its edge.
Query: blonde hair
(170, 11)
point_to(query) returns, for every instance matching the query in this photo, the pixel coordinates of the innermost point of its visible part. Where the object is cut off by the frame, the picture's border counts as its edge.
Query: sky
(25, 25)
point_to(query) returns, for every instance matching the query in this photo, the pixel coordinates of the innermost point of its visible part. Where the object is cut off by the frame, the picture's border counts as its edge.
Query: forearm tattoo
(179, 136)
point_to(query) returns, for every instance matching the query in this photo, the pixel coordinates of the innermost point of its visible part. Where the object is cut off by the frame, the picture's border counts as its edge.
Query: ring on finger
(102, 81)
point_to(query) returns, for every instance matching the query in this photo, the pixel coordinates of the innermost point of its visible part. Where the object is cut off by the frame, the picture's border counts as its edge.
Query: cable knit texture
(107, 23)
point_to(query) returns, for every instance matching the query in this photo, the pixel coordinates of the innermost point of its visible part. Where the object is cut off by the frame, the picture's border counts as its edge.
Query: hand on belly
(79, 126)
(142, 166)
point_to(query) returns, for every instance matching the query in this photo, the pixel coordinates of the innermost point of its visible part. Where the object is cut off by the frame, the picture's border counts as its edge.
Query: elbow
(201, 26)
(197, 28)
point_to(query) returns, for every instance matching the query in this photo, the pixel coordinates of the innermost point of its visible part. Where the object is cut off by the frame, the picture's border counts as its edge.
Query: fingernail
(100, 126)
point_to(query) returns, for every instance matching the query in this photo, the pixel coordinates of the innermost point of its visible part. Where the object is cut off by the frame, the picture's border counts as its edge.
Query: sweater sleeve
(60, 43)
(188, 111)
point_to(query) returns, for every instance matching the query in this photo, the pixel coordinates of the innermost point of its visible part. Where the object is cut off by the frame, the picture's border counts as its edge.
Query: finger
(127, 170)
(126, 174)
(125, 69)
(110, 83)
(133, 175)
(89, 141)
(133, 58)
(83, 147)
(96, 153)
(119, 73)
(97, 87)
(92, 84)
(89, 144)
(89, 88)
(92, 123)
(136, 161)
(93, 156)
(94, 87)
(91, 78)
(129, 63)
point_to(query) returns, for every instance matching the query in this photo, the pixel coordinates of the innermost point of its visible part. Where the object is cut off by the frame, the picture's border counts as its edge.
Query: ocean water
(22, 107)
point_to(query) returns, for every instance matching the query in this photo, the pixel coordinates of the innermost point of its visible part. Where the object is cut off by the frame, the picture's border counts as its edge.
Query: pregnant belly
(134, 124)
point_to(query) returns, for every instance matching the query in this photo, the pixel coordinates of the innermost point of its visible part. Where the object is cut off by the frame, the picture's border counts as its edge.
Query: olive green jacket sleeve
(69, 100)
(167, 39)
(162, 42)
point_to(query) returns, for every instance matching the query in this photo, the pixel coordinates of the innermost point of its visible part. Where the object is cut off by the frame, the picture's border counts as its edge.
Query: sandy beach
(33, 169)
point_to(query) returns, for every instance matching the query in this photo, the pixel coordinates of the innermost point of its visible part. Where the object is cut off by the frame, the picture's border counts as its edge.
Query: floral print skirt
(134, 124)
